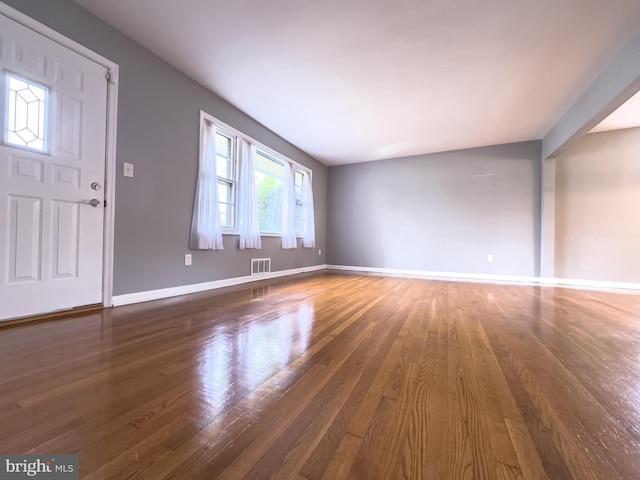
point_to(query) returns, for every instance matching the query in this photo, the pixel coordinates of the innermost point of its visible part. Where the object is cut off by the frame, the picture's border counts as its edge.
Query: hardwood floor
(335, 376)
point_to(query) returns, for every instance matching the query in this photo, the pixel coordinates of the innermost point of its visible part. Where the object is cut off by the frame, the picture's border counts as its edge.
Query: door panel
(25, 245)
(51, 239)
(66, 229)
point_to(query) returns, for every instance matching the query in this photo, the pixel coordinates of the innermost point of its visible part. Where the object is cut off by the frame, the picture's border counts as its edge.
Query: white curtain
(288, 209)
(206, 226)
(248, 221)
(308, 216)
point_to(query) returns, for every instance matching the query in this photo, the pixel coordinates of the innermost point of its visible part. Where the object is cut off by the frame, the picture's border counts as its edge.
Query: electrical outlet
(490, 258)
(127, 169)
(187, 259)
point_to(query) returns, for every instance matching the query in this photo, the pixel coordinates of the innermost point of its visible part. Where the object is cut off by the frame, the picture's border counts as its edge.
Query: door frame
(111, 136)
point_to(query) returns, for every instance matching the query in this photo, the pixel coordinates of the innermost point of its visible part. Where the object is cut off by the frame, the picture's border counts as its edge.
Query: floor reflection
(239, 360)
(259, 292)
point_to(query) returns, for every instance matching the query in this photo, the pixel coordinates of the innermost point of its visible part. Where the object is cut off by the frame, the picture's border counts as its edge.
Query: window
(26, 114)
(257, 190)
(298, 188)
(226, 168)
(269, 175)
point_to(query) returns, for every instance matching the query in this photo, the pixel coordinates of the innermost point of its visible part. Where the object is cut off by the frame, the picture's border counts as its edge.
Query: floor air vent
(260, 266)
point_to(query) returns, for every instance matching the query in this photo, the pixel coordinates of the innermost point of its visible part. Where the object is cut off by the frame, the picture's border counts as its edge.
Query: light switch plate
(127, 169)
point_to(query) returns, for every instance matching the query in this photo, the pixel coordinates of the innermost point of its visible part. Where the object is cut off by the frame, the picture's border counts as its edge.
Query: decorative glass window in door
(26, 112)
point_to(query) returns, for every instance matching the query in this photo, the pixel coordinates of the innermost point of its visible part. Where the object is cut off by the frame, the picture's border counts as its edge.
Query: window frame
(230, 181)
(274, 159)
(260, 147)
(299, 205)
(235, 136)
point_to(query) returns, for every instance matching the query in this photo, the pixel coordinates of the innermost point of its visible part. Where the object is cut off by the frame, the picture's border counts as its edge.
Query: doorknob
(94, 202)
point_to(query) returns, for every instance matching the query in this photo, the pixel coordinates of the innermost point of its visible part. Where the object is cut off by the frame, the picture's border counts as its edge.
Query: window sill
(236, 234)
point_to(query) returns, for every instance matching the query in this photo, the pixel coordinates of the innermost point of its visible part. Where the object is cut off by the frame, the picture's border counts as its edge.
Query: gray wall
(597, 231)
(158, 128)
(440, 212)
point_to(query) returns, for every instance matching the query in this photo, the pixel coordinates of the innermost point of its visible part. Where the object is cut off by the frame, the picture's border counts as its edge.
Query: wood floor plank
(343, 458)
(361, 420)
(470, 446)
(508, 472)
(368, 462)
(334, 375)
(392, 455)
(437, 409)
(299, 446)
(258, 437)
(322, 454)
(292, 448)
(528, 458)
(550, 392)
(415, 461)
(553, 462)
(491, 387)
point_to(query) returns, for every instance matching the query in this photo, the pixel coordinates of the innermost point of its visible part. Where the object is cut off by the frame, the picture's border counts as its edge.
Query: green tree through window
(269, 182)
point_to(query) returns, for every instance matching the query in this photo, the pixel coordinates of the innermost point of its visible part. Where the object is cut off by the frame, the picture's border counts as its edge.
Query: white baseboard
(454, 276)
(477, 277)
(138, 297)
(590, 284)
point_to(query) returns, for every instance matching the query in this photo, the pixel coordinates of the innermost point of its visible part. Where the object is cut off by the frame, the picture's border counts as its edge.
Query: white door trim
(111, 135)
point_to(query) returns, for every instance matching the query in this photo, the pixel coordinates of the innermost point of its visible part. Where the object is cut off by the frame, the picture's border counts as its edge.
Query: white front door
(53, 105)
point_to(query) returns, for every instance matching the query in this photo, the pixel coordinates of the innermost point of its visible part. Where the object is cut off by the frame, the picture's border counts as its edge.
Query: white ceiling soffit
(627, 116)
(356, 80)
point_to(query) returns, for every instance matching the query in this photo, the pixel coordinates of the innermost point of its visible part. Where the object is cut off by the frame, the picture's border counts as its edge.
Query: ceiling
(357, 80)
(627, 116)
